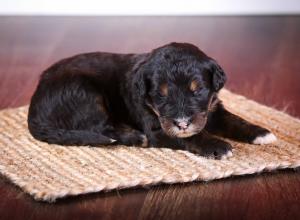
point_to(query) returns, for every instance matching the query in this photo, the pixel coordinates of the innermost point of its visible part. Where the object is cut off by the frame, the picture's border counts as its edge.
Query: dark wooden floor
(261, 58)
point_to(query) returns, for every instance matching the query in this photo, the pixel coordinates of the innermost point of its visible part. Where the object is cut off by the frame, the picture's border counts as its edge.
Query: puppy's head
(179, 83)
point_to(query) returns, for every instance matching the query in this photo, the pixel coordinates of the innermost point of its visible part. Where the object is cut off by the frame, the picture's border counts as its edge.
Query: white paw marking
(266, 139)
(112, 140)
(227, 155)
(145, 141)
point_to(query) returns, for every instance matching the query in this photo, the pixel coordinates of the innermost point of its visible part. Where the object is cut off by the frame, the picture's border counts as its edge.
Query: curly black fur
(167, 96)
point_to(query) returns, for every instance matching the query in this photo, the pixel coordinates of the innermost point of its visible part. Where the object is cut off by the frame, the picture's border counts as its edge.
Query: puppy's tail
(68, 137)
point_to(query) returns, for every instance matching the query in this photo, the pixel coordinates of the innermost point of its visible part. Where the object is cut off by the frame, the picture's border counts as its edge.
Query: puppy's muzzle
(182, 123)
(184, 127)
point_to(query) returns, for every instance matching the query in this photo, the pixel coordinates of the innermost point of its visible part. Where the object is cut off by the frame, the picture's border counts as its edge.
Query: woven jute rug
(48, 172)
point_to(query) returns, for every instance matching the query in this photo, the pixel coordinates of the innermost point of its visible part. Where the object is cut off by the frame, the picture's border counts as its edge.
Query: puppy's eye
(163, 89)
(198, 91)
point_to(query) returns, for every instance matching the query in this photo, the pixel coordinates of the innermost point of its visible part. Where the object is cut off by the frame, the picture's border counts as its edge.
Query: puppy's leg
(127, 136)
(159, 139)
(203, 144)
(207, 145)
(226, 124)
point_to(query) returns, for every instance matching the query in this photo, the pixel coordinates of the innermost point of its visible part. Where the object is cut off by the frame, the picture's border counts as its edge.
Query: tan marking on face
(212, 104)
(152, 108)
(164, 89)
(194, 86)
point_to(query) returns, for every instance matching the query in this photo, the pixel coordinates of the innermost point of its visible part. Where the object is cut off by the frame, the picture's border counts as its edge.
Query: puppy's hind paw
(144, 141)
(227, 155)
(265, 139)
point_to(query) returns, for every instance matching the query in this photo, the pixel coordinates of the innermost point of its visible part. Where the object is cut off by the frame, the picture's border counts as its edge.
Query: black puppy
(166, 98)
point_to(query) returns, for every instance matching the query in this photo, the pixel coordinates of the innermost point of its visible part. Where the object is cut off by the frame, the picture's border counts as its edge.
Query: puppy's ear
(219, 77)
(141, 81)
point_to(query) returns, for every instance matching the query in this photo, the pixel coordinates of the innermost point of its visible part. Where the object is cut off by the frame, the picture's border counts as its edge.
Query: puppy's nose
(182, 124)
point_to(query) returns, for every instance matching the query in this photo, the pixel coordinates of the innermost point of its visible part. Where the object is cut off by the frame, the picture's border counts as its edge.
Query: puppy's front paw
(218, 150)
(266, 138)
(140, 140)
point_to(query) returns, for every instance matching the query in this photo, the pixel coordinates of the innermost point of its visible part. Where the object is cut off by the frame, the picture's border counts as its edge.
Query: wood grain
(261, 58)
